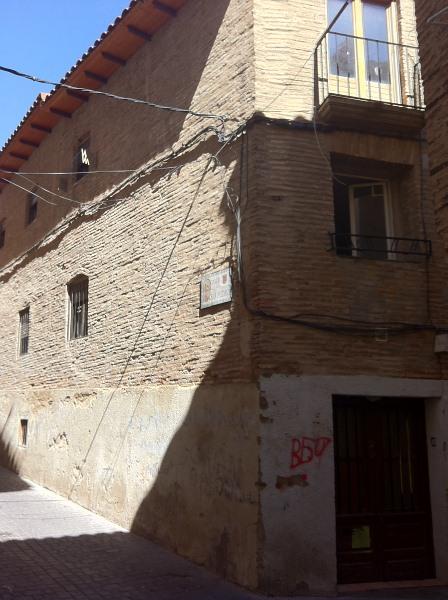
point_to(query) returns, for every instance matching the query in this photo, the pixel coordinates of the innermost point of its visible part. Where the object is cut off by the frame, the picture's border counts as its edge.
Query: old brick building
(294, 437)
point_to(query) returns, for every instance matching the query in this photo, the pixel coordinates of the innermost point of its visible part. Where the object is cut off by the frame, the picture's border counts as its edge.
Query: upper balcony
(368, 84)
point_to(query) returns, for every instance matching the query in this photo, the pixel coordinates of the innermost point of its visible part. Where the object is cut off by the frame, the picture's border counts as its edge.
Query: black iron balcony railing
(370, 246)
(368, 69)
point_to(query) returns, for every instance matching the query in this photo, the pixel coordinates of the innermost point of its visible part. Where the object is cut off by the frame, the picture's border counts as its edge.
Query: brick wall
(152, 419)
(295, 273)
(433, 50)
(286, 33)
(215, 74)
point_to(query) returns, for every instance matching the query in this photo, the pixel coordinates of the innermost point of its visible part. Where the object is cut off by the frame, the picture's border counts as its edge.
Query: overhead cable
(90, 172)
(28, 191)
(439, 13)
(75, 88)
(41, 187)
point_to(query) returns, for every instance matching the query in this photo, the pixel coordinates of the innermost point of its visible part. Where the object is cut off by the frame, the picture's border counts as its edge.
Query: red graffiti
(305, 450)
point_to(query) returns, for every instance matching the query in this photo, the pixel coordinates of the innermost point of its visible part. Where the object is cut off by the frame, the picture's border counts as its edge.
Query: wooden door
(384, 530)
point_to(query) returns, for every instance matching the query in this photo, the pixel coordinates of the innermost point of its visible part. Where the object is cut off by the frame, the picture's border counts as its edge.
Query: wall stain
(301, 480)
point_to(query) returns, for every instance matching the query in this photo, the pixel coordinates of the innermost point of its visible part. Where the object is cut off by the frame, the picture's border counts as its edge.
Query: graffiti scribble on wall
(307, 450)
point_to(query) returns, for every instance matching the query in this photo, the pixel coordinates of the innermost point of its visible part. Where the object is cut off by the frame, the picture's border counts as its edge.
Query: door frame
(378, 558)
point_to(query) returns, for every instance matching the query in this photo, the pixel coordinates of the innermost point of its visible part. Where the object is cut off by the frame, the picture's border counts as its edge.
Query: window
(342, 43)
(78, 292)
(24, 331)
(363, 217)
(82, 162)
(362, 58)
(375, 23)
(2, 235)
(31, 208)
(23, 432)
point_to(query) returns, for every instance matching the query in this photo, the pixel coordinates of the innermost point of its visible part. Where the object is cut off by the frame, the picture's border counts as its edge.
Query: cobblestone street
(53, 549)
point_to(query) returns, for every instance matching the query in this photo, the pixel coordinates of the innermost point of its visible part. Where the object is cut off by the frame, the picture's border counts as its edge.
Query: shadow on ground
(52, 549)
(113, 566)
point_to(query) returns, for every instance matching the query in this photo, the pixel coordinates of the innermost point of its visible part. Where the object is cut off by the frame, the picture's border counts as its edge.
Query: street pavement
(52, 549)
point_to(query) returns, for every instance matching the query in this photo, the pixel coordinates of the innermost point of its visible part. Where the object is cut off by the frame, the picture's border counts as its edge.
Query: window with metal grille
(23, 432)
(32, 208)
(24, 331)
(2, 235)
(78, 292)
(82, 160)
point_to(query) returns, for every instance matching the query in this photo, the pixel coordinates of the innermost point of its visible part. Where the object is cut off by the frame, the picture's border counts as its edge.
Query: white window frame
(359, 78)
(388, 213)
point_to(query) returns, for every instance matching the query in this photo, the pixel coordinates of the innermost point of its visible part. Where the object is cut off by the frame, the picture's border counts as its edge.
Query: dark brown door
(384, 530)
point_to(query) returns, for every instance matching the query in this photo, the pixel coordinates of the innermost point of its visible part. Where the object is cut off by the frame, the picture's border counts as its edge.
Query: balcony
(368, 84)
(380, 248)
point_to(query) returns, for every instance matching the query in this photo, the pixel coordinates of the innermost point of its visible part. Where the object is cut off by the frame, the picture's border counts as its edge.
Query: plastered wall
(178, 464)
(298, 500)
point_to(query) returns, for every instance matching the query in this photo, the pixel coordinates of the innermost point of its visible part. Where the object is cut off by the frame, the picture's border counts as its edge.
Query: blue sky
(45, 38)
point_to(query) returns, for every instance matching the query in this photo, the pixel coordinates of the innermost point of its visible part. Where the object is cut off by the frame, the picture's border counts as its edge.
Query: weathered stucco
(176, 463)
(298, 502)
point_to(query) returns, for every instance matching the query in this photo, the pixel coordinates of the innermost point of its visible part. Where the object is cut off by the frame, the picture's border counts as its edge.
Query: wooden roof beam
(19, 156)
(139, 33)
(169, 10)
(78, 95)
(38, 127)
(61, 113)
(96, 77)
(114, 59)
(29, 143)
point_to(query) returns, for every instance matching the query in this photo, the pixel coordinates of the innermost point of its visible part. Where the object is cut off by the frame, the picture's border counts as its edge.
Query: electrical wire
(107, 200)
(41, 187)
(321, 322)
(432, 18)
(351, 328)
(90, 172)
(75, 88)
(139, 334)
(28, 191)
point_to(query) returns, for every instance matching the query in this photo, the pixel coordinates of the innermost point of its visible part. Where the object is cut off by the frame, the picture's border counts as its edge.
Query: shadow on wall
(9, 461)
(173, 79)
(204, 501)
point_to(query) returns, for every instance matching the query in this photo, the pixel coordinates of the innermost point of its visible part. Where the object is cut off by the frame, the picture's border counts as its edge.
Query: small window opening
(32, 208)
(63, 184)
(2, 235)
(78, 292)
(23, 432)
(24, 331)
(82, 161)
(363, 217)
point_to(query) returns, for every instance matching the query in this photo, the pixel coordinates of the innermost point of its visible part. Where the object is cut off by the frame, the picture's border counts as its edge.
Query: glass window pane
(341, 45)
(377, 53)
(370, 216)
(345, 22)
